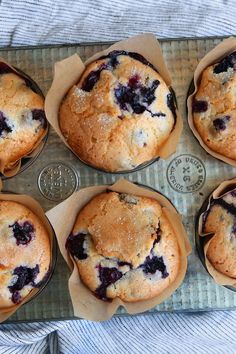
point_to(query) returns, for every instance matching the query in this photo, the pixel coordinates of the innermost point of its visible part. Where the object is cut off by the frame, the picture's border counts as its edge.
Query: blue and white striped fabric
(48, 21)
(205, 333)
(29, 22)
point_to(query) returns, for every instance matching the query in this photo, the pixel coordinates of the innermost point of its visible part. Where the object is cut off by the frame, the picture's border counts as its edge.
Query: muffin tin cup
(37, 210)
(29, 159)
(215, 55)
(202, 241)
(68, 72)
(63, 217)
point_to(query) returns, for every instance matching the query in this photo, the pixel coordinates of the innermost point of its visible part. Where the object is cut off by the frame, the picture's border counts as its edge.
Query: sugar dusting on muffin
(214, 107)
(124, 247)
(118, 98)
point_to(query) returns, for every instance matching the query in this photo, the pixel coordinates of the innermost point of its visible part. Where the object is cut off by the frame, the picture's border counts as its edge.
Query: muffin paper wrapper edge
(34, 151)
(34, 206)
(219, 278)
(63, 217)
(226, 47)
(68, 72)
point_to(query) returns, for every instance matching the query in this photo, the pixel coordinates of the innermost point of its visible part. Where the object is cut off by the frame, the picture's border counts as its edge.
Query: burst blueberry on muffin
(220, 220)
(214, 107)
(125, 247)
(120, 113)
(24, 253)
(22, 118)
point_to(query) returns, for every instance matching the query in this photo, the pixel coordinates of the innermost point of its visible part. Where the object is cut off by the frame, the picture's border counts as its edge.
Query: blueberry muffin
(120, 113)
(24, 253)
(124, 247)
(22, 117)
(214, 107)
(220, 220)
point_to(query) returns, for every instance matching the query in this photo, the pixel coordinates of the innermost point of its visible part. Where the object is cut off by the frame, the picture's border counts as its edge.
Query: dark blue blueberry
(113, 60)
(158, 236)
(199, 106)
(221, 123)
(107, 277)
(25, 276)
(151, 265)
(39, 114)
(171, 104)
(75, 245)
(137, 97)
(23, 233)
(16, 297)
(225, 63)
(234, 229)
(4, 127)
(93, 77)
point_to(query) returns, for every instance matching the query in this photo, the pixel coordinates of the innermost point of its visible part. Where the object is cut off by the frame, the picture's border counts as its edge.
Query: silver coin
(57, 181)
(186, 173)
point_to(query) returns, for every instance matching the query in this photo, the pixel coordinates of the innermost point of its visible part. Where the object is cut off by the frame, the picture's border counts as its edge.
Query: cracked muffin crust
(214, 107)
(22, 117)
(119, 114)
(124, 246)
(24, 253)
(220, 220)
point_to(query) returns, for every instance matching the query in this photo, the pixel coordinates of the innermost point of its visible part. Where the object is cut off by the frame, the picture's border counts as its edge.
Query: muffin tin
(186, 178)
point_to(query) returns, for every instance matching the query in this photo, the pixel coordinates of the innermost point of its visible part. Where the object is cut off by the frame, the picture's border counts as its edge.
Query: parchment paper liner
(219, 278)
(37, 147)
(68, 72)
(63, 216)
(34, 206)
(226, 47)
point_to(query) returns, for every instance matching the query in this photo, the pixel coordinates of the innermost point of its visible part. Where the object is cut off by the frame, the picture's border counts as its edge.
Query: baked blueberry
(107, 277)
(4, 126)
(39, 115)
(75, 245)
(154, 264)
(23, 233)
(226, 63)
(200, 106)
(221, 123)
(24, 276)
